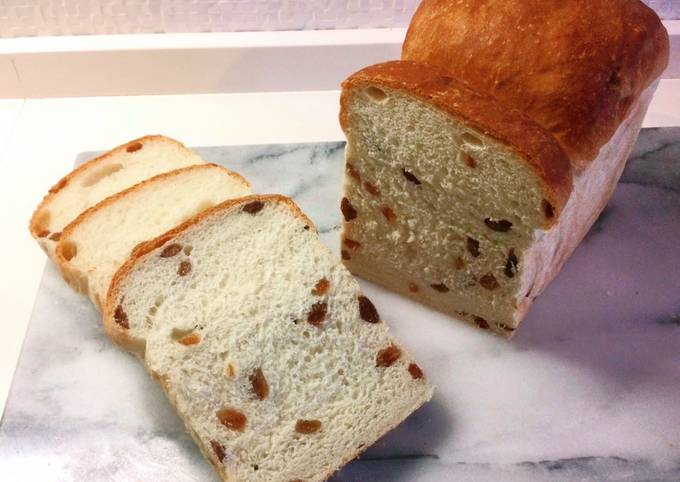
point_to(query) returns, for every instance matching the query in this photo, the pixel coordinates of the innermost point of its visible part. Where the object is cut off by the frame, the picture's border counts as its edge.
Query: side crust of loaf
(82, 170)
(593, 187)
(575, 67)
(120, 336)
(433, 85)
(74, 277)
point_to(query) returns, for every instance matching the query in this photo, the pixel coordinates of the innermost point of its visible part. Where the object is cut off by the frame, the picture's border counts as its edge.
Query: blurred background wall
(22, 18)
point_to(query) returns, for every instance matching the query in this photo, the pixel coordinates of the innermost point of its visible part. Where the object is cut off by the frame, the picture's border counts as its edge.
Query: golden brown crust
(534, 144)
(34, 225)
(576, 67)
(120, 336)
(73, 277)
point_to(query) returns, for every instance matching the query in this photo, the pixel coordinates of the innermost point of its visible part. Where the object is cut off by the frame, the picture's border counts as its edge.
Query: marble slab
(588, 390)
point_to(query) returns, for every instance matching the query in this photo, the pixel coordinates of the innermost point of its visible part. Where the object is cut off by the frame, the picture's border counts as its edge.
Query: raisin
(232, 419)
(473, 246)
(171, 250)
(353, 172)
(488, 281)
(387, 356)
(184, 268)
(347, 209)
(55, 236)
(134, 147)
(345, 255)
(460, 263)
(505, 327)
(351, 244)
(230, 371)
(469, 160)
(389, 215)
(511, 264)
(501, 225)
(307, 426)
(415, 371)
(120, 317)
(321, 288)
(190, 339)
(441, 287)
(367, 310)
(306, 228)
(548, 210)
(259, 384)
(253, 207)
(413, 288)
(218, 449)
(410, 177)
(481, 322)
(317, 314)
(371, 188)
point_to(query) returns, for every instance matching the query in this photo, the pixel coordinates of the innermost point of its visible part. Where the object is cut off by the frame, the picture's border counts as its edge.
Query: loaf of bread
(94, 245)
(470, 181)
(278, 365)
(102, 177)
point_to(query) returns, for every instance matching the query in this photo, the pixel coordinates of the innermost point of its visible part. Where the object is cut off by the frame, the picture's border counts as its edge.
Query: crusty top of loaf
(574, 66)
(534, 144)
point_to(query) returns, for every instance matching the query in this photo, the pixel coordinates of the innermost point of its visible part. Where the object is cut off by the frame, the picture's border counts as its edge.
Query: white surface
(227, 62)
(171, 63)
(586, 391)
(49, 134)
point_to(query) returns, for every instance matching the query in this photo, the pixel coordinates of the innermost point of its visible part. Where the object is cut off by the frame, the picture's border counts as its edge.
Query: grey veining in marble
(588, 390)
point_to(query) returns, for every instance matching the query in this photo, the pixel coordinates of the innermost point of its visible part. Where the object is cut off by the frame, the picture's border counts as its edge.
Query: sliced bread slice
(101, 177)
(280, 368)
(101, 239)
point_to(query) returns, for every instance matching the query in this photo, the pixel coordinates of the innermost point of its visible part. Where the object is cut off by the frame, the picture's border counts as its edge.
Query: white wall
(20, 18)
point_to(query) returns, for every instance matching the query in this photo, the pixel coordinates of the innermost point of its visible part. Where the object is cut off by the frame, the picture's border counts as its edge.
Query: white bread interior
(102, 177)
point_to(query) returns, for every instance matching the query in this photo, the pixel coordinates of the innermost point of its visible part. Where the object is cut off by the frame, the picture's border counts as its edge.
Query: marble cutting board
(588, 390)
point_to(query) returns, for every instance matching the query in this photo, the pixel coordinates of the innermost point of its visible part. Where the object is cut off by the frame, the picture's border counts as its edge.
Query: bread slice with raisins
(94, 245)
(458, 201)
(278, 365)
(102, 177)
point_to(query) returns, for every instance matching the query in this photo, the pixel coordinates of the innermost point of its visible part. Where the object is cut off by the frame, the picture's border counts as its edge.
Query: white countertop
(40, 138)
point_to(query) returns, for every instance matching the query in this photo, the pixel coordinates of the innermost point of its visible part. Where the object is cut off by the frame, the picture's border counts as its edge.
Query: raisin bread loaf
(100, 240)
(101, 177)
(280, 368)
(469, 198)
